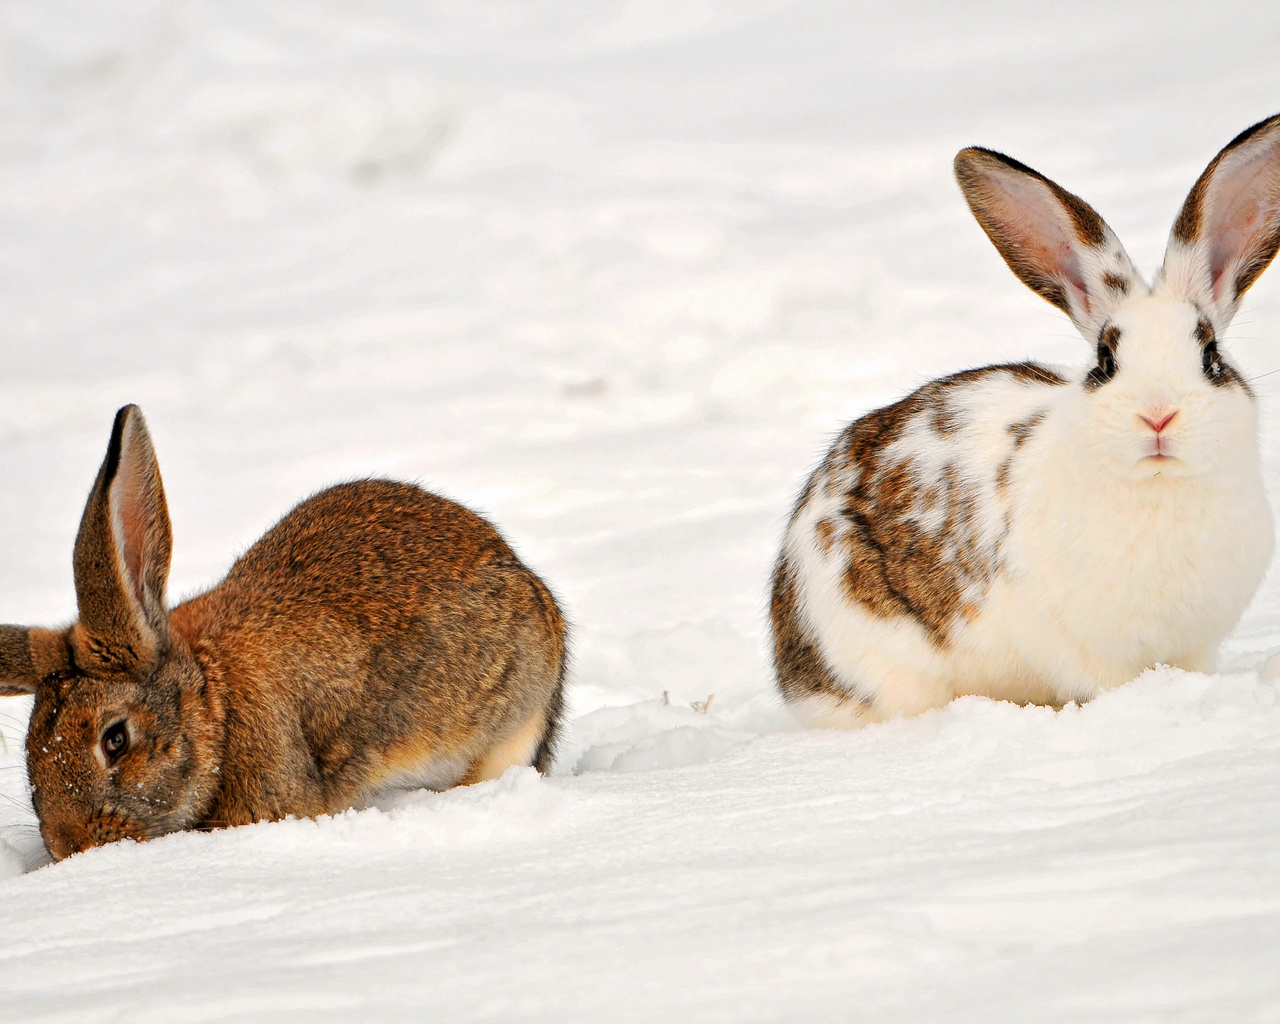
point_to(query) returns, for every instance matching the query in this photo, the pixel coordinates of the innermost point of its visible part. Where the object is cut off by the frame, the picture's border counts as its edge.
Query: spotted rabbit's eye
(1210, 362)
(115, 741)
(1106, 362)
(1108, 340)
(1106, 368)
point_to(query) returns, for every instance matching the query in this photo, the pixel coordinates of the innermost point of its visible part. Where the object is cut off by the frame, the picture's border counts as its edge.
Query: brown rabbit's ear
(1054, 241)
(28, 655)
(1229, 228)
(122, 551)
(17, 672)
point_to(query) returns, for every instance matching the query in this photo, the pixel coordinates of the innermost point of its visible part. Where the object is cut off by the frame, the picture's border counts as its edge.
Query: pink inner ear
(1069, 273)
(133, 530)
(1232, 240)
(1034, 221)
(1243, 204)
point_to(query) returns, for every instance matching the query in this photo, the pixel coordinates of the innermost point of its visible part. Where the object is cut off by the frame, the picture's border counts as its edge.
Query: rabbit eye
(1210, 362)
(1106, 368)
(115, 741)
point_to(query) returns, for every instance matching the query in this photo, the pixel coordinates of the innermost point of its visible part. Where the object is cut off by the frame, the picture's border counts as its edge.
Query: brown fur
(1023, 429)
(376, 630)
(826, 534)
(1020, 431)
(16, 661)
(1116, 283)
(894, 567)
(797, 662)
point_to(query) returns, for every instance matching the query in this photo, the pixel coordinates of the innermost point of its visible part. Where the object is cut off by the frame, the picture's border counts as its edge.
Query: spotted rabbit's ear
(1054, 241)
(1229, 228)
(122, 554)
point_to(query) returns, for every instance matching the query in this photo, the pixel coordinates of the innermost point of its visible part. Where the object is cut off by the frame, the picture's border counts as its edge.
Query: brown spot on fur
(1116, 283)
(945, 419)
(797, 662)
(825, 533)
(1002, 473)
(1023, 429)
(1032, 373)
(894, 567)
(1020, 431)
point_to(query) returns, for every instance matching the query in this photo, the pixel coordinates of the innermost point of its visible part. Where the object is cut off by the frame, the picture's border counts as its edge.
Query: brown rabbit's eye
(115, 741)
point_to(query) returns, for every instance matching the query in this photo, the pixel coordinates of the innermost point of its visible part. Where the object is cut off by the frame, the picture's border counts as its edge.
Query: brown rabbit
(376, 638)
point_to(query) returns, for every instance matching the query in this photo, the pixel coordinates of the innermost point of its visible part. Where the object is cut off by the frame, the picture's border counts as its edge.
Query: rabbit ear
(1229, 227)
(1055, 242)
(122, 551)
(29, 655)
(17, 673)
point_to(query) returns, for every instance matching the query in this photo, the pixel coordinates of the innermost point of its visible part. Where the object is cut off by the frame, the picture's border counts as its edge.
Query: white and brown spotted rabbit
(1037, 535)
(376, 638)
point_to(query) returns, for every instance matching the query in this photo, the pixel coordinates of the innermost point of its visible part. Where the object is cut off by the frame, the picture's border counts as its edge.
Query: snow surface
(613, 274)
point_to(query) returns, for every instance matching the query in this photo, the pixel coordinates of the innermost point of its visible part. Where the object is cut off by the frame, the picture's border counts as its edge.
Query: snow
(614, 274)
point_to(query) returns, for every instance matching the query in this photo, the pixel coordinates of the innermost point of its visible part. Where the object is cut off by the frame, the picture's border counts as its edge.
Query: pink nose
(1158, 424)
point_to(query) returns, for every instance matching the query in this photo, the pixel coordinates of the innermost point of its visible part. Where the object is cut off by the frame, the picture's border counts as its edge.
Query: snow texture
(614, 274)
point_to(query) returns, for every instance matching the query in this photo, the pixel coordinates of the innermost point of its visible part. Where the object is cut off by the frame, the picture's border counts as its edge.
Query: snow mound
(647, 736)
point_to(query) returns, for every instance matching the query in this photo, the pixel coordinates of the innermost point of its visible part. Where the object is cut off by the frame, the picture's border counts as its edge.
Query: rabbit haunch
(908, 511)
(377, 637)
(1037, 535)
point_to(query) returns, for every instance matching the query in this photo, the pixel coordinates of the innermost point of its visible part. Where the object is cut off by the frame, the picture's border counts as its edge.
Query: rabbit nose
(1159, 420)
